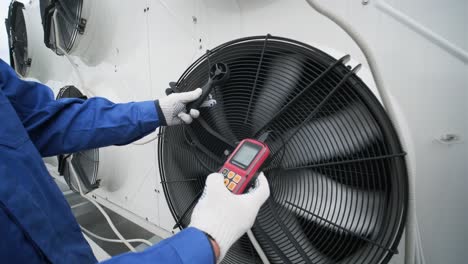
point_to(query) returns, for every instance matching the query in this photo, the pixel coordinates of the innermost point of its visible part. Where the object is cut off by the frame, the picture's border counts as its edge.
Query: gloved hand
(226, 216)
(172, 108)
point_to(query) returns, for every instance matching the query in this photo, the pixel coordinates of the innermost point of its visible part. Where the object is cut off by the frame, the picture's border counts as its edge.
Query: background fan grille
(69, 23)
(85, 163)
(18, 38)
(337, 174)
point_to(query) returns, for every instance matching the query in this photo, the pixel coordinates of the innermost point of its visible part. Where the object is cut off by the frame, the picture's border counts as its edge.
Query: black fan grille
(18, 38)
(69, 23)
(338, 180)
(85, 163)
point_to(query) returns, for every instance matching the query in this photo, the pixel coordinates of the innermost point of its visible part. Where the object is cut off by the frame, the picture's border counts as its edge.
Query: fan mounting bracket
(82, 26)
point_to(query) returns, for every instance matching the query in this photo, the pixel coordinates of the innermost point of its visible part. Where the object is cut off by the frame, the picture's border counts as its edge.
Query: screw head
(365, 2)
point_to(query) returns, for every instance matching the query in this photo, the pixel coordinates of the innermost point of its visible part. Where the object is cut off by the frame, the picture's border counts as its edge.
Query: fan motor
(338, 179)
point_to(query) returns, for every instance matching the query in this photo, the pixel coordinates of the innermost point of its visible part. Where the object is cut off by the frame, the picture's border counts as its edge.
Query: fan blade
(85, 163)
(278, 220)
(282, 79)
(331, 204)
(179, 181)
(329, 137)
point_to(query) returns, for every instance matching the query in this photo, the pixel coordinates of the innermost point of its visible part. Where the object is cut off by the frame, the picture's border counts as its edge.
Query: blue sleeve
(189, 246)
(70, 125)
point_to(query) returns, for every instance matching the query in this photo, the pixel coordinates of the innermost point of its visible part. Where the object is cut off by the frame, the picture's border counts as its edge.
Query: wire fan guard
(337, 172)
(68, 23)
(85, 163)
(18, 38)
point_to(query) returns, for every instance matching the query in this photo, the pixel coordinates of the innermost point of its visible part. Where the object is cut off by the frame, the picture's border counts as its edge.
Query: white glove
(227, 216)
(173, 107)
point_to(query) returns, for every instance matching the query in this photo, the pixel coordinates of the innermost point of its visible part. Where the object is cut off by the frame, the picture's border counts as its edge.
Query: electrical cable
(106, 216)
(141, 143)
(257, 247)
(413, 247)
(136, 240)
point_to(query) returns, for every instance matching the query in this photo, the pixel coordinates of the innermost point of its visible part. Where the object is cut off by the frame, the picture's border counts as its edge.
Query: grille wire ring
(339, 187)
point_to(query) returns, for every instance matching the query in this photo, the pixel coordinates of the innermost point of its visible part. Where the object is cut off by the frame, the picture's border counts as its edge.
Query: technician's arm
(71, 125)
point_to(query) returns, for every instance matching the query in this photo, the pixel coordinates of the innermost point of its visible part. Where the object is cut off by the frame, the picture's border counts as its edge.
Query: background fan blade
(280, 82)
(86, 166)
(335, 136)
(350, 208)
(241, 251)
(273, 219)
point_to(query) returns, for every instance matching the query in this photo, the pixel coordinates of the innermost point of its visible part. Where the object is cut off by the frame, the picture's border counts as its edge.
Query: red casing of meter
(238, 178)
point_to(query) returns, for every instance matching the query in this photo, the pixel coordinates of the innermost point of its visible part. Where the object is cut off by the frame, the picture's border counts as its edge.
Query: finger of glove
(186, 118)
(215, 184)
(194, 113)
(190, 96)
(174, 122)
(214, 180)
(261, 192)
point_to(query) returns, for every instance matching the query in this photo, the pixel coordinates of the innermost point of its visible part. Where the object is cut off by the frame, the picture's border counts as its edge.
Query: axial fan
(18, 38)
(64, 23)
(337, 171)
(85, 163)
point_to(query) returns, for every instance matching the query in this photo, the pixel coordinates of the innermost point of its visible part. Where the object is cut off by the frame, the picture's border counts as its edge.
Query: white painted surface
(136, 53)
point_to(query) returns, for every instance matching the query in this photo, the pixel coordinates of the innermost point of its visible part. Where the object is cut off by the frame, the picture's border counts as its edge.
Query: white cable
(257, 247)
(109, 221)
(115, 240)
(413, 246)
(140, 143)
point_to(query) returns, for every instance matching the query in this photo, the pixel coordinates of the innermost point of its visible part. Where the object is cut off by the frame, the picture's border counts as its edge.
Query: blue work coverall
(36, 223)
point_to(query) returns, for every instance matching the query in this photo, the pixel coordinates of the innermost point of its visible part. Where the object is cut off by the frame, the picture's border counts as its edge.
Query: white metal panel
(446, 18)
(113, 65)
(173, 45)
(116, 67)
(429, 83)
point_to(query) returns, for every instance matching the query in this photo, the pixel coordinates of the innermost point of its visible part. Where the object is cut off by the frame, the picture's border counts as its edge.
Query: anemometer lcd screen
(245, 155)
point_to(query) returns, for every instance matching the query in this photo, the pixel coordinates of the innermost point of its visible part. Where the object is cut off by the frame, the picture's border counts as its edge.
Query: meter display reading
(245, 155)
